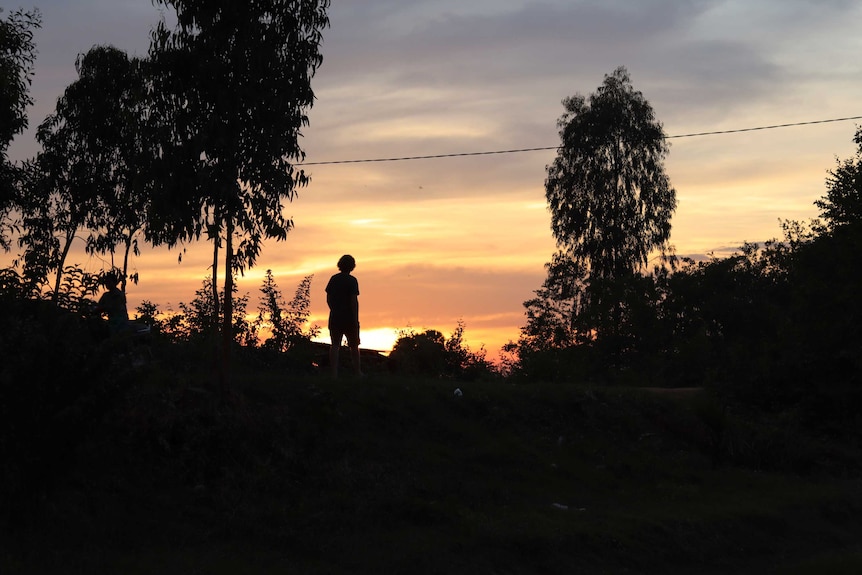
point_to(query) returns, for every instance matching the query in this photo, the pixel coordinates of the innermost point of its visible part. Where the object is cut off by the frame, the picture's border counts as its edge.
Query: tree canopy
(611, 203)
(231, 90)
(610, 199)
(91, 172)
(17, 55)
(842, 204)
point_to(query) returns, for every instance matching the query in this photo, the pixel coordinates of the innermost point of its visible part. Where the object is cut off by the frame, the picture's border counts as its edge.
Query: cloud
(685, 56)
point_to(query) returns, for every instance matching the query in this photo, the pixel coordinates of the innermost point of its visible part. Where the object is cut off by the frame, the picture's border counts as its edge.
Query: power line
(521, 150)
(457, 155)
(766, 127)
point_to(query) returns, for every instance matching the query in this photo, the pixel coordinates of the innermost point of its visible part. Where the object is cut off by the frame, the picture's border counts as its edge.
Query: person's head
(346, 263)
(110, 280)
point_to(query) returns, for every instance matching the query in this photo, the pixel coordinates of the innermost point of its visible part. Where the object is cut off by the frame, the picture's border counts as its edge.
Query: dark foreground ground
(391, 475)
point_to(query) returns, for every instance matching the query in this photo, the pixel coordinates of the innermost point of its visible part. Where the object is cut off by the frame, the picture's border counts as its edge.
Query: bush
(55, 382)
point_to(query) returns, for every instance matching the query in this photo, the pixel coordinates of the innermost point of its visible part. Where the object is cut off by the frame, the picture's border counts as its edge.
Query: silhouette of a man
(342, 297)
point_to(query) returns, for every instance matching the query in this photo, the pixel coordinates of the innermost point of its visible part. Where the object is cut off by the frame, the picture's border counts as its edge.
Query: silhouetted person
(342, 297)
(122, 333)
(113, 304)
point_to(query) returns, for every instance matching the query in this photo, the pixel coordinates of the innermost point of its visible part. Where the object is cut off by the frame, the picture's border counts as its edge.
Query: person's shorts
(337, 332)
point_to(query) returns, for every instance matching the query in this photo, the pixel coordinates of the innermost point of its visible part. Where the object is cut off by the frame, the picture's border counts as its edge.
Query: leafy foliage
(198, 319)
(17, 55)
(607, 190)
(90, 172)
(772, 327)
(550, 314)
(56, 379)
(611, 204)
(842, 204)
(419, 353)
(429, 353)
(286, 322)
(232, 83)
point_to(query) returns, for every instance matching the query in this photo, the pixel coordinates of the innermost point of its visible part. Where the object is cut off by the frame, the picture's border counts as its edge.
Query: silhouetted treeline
(775, 324)
(131, 154)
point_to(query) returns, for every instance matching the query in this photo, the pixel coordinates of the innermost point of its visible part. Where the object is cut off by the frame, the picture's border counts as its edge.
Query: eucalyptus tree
(17, 56)
(232, 85)
(118, 134)
(610, 199)
(88, 177)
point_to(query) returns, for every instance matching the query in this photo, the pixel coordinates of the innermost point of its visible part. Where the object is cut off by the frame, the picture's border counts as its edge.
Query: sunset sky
(466, 237)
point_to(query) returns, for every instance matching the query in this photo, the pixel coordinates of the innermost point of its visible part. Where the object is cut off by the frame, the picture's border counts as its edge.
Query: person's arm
(99, 307)
(329, 294)
(354, 308)
(354, 302)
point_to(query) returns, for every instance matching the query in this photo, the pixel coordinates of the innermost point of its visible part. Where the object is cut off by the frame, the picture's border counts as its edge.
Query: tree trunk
(60, 263)
(215, 321)
(127, 245)
(216, 242)
(227, 325)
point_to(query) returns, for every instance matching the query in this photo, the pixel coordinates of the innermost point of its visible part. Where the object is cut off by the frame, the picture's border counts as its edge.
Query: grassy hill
(389, 475)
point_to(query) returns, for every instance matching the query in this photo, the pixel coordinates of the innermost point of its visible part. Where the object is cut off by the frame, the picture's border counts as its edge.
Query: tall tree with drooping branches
(610, 199)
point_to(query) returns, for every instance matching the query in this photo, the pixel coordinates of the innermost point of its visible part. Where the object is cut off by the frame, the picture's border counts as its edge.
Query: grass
(389, 475)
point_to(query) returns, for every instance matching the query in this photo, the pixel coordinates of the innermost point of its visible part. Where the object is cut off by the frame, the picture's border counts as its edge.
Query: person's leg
(354, 356)
(353, 344)
(333, 361)
(334, 346)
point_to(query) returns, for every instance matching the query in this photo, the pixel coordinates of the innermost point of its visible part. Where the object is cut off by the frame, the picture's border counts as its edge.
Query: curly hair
(346, 263)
